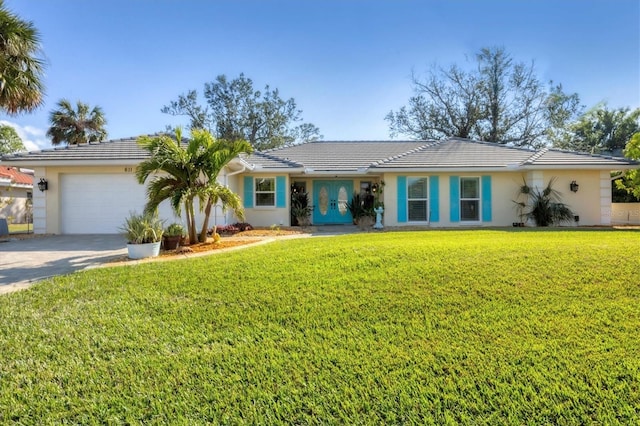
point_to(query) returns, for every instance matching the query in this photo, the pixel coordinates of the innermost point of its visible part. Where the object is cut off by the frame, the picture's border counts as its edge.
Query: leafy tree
(21, 70)
(630, 181)
(500, 101)
(9, 140)
(75, 126)
(188, 172)
(600, 129)
(234, 110)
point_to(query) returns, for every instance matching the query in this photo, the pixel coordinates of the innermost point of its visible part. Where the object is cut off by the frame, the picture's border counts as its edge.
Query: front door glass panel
(343, 199)
(323, 201)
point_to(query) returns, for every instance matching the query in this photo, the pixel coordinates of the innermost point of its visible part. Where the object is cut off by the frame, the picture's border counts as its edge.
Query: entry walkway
(25, 261)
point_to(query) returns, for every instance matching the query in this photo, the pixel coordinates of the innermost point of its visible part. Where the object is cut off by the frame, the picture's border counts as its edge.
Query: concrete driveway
(25, 261)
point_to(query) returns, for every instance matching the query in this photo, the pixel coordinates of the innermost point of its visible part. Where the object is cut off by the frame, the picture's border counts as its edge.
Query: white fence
(625, 213)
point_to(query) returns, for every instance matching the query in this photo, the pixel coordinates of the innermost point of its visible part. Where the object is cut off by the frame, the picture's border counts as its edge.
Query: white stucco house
(449, 183)
(16, 189)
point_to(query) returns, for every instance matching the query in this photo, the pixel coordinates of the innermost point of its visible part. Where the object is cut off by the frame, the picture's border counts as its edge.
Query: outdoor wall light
(43, 185)
(574, 186)
(374, 188)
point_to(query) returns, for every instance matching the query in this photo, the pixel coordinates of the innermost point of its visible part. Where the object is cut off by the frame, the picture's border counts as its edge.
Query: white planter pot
(140, 251)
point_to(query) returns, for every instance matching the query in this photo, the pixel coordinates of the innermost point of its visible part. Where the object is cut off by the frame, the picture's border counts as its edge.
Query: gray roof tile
(458, 153)
(117, 149)
(350, 156)
(335, 156)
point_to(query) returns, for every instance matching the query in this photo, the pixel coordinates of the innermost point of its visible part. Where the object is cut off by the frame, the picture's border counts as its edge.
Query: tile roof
(16, 176)
(555, 157)
(350, 156)
(453, 153)
(458, 153)
(335, 156)
(117, 149)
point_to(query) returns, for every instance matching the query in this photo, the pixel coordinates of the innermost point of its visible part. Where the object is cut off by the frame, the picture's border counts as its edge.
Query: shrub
(143, 228)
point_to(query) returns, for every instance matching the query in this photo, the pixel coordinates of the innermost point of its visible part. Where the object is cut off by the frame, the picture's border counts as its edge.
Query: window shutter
(402, 199)
(248, 192)
(281, 191)
(454, 198)
(486, 198)
(434, 198)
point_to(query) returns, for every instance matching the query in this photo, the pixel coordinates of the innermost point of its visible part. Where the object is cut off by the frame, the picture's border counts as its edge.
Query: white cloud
(34, 139)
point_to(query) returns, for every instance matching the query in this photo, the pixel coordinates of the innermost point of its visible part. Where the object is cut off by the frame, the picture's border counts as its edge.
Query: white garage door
(99, 203)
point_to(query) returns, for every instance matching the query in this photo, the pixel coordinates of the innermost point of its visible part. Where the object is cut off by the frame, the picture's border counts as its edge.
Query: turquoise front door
(330, 198)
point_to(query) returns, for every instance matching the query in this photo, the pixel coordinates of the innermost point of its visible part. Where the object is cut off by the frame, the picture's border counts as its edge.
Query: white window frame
(478, 199)
(256, 192)
(426, 200)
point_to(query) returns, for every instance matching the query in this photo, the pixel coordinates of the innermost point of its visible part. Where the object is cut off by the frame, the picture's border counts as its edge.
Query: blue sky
(347, 63)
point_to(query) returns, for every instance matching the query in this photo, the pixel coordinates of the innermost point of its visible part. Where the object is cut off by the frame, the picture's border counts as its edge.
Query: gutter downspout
(226, 183)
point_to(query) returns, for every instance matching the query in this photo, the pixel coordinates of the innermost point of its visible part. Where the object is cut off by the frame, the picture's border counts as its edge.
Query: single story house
(447, 183)
(16, 190)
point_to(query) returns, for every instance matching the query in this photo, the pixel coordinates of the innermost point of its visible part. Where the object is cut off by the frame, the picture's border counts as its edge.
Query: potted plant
(144, 235)
(362, 213)
(300, 209)
(172, 236)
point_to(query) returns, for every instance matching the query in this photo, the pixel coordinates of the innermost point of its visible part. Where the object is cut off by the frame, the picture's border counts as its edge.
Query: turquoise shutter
(402, 198)
(486, 198)
(434, 198)
(248, 192)
(281, 191)
(454, 198)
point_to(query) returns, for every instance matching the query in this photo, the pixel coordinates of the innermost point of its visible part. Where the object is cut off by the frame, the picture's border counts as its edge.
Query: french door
(330, 198)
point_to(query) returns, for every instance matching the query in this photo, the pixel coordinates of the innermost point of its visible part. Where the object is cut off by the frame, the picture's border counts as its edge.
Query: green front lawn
(20, 228)
(440, 327)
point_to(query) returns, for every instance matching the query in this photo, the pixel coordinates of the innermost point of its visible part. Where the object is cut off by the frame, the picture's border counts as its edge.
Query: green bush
(143, 228)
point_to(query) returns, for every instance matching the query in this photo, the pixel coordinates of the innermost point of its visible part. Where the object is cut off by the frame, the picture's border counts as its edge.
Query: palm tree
(76, 126)
(188, 172)
(215, 155)
(21, 70)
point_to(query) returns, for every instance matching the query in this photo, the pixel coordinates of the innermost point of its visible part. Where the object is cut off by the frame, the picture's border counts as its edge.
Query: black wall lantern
(43, 185)
(574, 186)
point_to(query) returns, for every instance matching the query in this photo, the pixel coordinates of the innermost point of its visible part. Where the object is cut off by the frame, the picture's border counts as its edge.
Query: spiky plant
(546, 207)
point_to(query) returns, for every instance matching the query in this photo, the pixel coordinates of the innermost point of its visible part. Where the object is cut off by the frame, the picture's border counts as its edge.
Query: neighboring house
(449, 183)
(16, 189)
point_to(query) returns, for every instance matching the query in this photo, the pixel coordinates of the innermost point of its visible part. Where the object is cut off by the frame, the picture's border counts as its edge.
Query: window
(417, 199)
(470, 199)
(265, 192)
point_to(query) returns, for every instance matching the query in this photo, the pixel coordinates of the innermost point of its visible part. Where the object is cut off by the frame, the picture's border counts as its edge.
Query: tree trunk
(205, 224)
(191, 223)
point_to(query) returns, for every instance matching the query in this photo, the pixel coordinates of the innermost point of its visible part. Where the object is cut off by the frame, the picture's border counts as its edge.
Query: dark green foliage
(629, 181)
(21, 64)
(236, 110)
(600, 130)
(546, 207)
(361, 207)
(74, 126)
(300, 208)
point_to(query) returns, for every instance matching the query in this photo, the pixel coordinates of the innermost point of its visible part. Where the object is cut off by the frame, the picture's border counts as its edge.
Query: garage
(99, 203)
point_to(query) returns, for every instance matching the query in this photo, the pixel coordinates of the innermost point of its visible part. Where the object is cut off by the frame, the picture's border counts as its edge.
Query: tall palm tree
(184, 173)
(215, 155)
(75, 126)
(21, 70)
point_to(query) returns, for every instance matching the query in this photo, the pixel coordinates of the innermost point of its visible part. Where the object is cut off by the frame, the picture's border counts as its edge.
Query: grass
(439, 327)
(19, 228)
